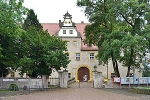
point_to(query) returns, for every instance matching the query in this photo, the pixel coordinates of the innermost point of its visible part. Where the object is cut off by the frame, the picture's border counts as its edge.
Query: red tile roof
(54, 27)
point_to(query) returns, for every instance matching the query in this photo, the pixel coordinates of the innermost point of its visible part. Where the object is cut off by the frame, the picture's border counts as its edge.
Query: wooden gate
(83, 74)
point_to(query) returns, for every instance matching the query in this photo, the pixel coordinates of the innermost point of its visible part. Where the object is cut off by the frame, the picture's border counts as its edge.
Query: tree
(3, 70)
(31, 21)
(117, 27)
(133, 44)
(146, 64)
(11, 12)
(103, 30)
(43, 52)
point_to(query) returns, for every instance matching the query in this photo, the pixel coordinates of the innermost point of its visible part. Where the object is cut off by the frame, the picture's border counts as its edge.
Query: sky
(51, 11)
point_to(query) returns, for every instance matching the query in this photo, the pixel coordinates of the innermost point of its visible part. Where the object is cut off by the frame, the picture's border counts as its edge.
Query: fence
(53, 82)
(123, 81)
(24, 83)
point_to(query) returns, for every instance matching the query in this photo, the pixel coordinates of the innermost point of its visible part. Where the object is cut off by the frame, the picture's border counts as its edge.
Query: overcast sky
(51, 11)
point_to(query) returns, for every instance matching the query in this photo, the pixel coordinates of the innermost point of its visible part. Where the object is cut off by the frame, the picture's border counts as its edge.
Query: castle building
(82, 56)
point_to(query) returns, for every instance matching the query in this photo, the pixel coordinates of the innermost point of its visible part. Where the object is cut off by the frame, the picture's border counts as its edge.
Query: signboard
(117, 79)
(137, 80)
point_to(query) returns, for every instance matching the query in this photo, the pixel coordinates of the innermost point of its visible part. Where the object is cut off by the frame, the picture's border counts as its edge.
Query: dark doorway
(83, 74)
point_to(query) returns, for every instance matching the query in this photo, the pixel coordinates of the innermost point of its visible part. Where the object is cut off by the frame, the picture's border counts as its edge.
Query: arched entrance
(83, 74)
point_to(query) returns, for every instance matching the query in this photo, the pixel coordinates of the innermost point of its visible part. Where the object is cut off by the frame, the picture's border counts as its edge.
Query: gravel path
(85, 92)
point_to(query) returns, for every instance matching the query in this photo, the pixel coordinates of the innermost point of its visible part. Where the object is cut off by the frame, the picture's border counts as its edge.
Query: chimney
(82, 22)
(59, 22)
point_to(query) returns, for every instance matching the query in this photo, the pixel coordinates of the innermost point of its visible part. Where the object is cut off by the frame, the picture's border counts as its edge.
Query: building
(82, 55)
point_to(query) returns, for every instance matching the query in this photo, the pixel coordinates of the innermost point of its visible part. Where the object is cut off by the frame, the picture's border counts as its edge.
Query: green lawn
(4, 90)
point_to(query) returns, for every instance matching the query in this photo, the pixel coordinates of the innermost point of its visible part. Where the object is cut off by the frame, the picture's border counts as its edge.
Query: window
(75, 43)
(67, 55)
(77, 56)
(64, 31)
(131, 75)
(91, 56)
(69, 75)
(67, 43)
(12, 74)
(71, 31)
(113, 75)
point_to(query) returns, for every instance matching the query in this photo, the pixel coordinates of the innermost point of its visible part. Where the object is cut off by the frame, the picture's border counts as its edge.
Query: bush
(140, 90)
(13, 87)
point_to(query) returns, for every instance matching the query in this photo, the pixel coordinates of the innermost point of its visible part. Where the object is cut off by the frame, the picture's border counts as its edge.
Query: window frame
(70, 31)
(76, 56)
(64, 31)
(68, 56)
(112, 75)
(67, 43)
(91, 58)
(75, 45)
(69, 75)
(12, 74)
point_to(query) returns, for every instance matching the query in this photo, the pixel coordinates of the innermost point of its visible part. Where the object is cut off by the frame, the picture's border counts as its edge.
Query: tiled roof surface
(54, 27)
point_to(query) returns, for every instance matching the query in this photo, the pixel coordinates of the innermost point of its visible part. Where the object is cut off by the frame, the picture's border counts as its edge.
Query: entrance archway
(83, 74)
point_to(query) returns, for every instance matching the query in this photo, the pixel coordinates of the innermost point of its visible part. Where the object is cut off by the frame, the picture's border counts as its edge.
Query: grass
(4, 90)
(140, 90)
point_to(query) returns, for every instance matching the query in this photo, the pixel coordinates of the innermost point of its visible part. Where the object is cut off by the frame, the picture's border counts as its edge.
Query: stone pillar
(63, 79)
(97, 79)
(44, 81)
(94, 73)
(60, 74)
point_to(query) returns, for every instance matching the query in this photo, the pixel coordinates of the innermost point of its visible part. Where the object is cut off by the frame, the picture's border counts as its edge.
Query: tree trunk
(128, 71)
(117, 70)
(115, 66)
(131, 61)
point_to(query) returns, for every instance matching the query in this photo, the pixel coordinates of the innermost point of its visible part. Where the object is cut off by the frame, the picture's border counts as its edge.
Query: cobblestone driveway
(85, 92)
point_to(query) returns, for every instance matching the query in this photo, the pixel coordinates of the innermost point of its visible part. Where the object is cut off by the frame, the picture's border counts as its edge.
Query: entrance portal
(83, 74)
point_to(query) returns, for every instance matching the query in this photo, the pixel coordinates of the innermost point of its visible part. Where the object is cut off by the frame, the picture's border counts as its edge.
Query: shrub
(13, 87)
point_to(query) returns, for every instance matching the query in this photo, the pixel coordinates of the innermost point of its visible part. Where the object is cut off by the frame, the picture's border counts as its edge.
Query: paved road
(85, 92)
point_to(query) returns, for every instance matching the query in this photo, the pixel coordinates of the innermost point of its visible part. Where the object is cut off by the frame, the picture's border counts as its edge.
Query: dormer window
(64, 31)
(71, 31)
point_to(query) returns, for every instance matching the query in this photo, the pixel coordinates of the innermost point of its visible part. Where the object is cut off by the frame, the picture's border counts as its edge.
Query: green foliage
(3, 70)
(31, 21)
(42, 52)
(13, 87)
(140, 90)
(103, 31)
(11, 12)
(118, 29)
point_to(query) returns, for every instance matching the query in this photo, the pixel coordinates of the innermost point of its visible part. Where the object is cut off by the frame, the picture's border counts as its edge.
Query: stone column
(60, 74)
(97, 79)
(44, 81)
(63, 79)
(94, 73)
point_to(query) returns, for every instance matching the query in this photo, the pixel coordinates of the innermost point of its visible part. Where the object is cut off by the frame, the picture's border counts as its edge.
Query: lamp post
(95, 67)
(107, 69)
